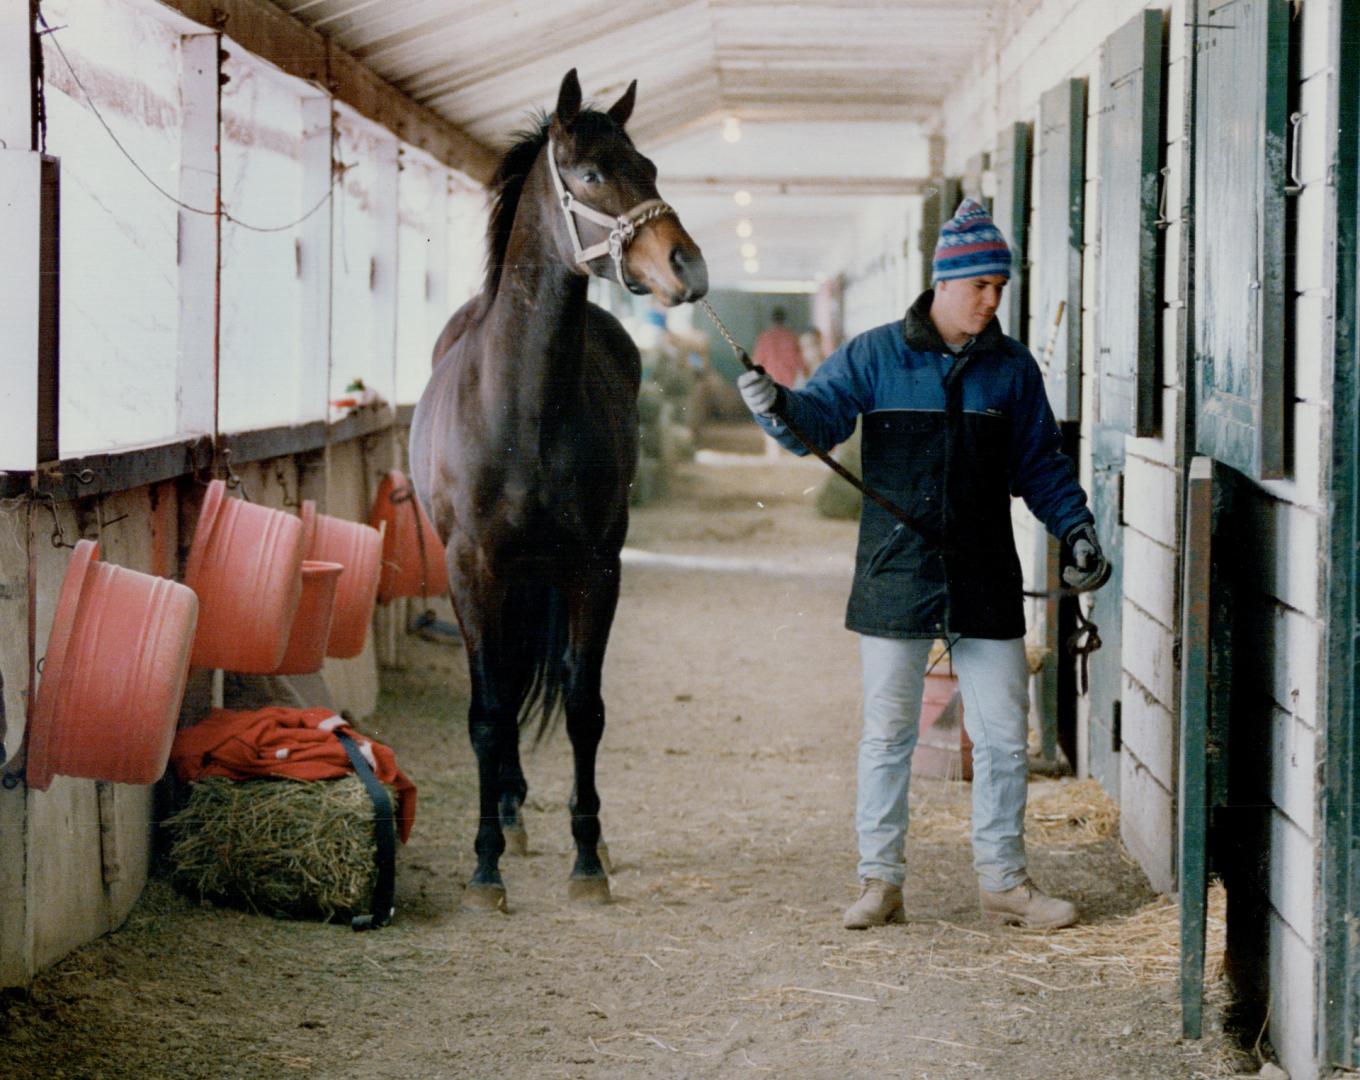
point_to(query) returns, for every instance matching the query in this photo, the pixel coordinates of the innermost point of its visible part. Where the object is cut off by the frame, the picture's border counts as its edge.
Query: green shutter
(1011, 164)
(1061, 167)
(941, 200)
(1240, 233)
(1128, 366)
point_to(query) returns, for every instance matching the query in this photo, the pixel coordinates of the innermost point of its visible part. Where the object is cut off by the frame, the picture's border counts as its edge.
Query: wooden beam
(297, 50)
(854, 187)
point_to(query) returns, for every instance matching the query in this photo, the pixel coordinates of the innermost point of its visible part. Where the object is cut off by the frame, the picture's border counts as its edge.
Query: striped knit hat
(970, 246)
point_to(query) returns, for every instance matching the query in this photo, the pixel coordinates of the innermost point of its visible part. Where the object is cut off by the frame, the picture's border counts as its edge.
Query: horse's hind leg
(592, 614)
(514, 789)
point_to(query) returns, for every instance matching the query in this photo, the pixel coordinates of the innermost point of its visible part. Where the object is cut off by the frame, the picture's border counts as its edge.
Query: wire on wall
(226, 214)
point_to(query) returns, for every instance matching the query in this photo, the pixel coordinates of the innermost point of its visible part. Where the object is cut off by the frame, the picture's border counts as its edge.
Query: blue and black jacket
(948, 438)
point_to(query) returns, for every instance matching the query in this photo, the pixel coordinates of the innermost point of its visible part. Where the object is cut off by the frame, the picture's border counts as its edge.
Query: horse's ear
(622, 109)
(568, 99)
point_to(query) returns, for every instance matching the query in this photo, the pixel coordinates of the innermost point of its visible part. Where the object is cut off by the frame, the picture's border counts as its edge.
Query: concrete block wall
(1285, 520)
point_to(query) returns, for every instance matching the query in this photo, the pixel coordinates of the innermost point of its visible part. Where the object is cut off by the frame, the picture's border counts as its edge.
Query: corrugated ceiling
(485, 64)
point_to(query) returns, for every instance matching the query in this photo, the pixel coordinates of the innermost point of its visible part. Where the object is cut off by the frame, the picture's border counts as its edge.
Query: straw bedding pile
(281, 847)
(1059, 813)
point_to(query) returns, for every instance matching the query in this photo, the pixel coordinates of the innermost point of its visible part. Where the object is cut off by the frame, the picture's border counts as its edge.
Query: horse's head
(615, 224)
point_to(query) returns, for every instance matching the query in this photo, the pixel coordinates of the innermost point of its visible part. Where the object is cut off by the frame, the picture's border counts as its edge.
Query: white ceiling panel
(825, 90)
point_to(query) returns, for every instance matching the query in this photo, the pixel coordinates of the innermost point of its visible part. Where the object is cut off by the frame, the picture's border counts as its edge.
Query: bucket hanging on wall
(114, 674)
(358, 548)
(311, 626)
(413, 557)
(245, 565)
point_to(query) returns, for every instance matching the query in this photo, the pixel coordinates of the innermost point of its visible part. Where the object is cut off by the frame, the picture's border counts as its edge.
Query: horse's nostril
(690, 268)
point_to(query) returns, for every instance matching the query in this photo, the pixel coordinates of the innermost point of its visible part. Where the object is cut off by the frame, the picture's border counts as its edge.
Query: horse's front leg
(490, 732)
(592, 615)
(493, 731)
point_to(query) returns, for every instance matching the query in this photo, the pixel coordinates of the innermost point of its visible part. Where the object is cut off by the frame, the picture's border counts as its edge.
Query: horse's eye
(590, 176)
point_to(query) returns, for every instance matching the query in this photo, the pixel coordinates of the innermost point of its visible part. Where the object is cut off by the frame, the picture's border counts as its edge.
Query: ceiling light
(752, 267)
(748, 250)
(732, 129)
(742, 198)
(744, 228)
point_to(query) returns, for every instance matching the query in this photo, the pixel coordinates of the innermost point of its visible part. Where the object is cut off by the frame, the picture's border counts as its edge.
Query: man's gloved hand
(1090, 569)
(758, 390)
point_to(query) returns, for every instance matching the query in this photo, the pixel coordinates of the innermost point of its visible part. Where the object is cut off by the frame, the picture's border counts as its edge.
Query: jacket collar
(920, 334)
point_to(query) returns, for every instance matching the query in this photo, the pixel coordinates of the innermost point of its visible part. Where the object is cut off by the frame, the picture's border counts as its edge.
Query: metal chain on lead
(741, 353)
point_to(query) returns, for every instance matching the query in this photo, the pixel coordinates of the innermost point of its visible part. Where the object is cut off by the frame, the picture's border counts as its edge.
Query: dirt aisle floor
(727, 775)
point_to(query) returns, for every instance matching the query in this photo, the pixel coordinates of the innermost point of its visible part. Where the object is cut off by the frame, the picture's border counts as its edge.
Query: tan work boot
(879, 904)
(1029, 906)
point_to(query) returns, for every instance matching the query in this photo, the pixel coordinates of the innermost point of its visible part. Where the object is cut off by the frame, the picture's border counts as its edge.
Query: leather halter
(622, 229)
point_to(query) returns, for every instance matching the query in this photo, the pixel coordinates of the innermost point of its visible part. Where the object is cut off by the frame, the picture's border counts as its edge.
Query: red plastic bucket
(114, 674)
(412, 556)
(245, 566)
(311, 627)
(358, 548)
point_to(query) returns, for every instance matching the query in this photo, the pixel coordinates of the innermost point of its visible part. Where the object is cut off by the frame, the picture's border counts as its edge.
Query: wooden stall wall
(310, 298)
(1285, 510)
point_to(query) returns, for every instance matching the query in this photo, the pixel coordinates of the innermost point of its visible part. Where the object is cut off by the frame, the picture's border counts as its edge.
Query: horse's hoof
(588, 890)
(484, 898)
(602, 850)
(516, 841)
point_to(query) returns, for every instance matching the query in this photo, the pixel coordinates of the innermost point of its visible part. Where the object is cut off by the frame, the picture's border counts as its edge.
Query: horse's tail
(536, 621)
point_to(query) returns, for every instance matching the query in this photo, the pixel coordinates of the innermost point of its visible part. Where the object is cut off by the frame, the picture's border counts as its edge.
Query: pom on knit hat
(970, 246)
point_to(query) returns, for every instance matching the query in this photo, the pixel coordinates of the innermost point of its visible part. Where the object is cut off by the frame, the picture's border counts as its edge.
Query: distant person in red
(779, 353)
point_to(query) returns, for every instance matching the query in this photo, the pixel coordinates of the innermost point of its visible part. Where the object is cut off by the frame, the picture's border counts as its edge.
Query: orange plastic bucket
(114, 674)
(412, 556)
(311, 627)
(358, 548)
(245, 566)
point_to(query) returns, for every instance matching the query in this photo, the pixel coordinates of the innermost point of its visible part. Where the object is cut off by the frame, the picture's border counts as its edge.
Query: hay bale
(835, 497)
(302, 849)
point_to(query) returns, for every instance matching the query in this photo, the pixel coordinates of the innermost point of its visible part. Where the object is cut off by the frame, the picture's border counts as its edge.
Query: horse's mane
(508, 184)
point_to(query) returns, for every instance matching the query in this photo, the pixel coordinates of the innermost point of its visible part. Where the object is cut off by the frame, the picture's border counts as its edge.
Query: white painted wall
(262, 184)
(118, 234)
(304, 309)
(881, 269)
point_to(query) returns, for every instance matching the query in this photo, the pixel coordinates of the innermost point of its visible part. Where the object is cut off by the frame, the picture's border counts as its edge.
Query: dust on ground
(727, 778)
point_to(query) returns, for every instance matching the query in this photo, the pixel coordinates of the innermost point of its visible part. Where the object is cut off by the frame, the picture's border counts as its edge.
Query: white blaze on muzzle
(622, 229)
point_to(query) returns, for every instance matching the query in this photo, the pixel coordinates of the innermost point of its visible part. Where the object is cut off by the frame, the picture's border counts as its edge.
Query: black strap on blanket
(385, 832)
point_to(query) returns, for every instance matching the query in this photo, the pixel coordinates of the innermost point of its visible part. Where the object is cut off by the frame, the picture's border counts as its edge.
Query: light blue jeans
(994, 682)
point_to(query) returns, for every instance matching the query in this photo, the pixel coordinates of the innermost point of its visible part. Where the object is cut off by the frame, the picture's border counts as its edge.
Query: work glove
(758, 390)
(1090, 569)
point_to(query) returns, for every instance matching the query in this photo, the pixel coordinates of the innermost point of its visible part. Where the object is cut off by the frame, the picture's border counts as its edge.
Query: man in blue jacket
(955, 422)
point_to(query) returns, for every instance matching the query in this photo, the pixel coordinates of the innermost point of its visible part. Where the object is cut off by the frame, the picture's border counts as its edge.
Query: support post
(200, 258)
(383, 274)
(20, 229)
(314, 257)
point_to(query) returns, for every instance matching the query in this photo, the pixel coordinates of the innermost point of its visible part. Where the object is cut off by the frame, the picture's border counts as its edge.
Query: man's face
(964, 306)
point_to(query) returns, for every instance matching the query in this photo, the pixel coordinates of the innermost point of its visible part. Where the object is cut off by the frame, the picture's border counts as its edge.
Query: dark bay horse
(524, 446)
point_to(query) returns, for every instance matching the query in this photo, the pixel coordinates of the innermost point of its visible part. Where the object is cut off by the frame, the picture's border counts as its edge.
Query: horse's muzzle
(690, 270)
